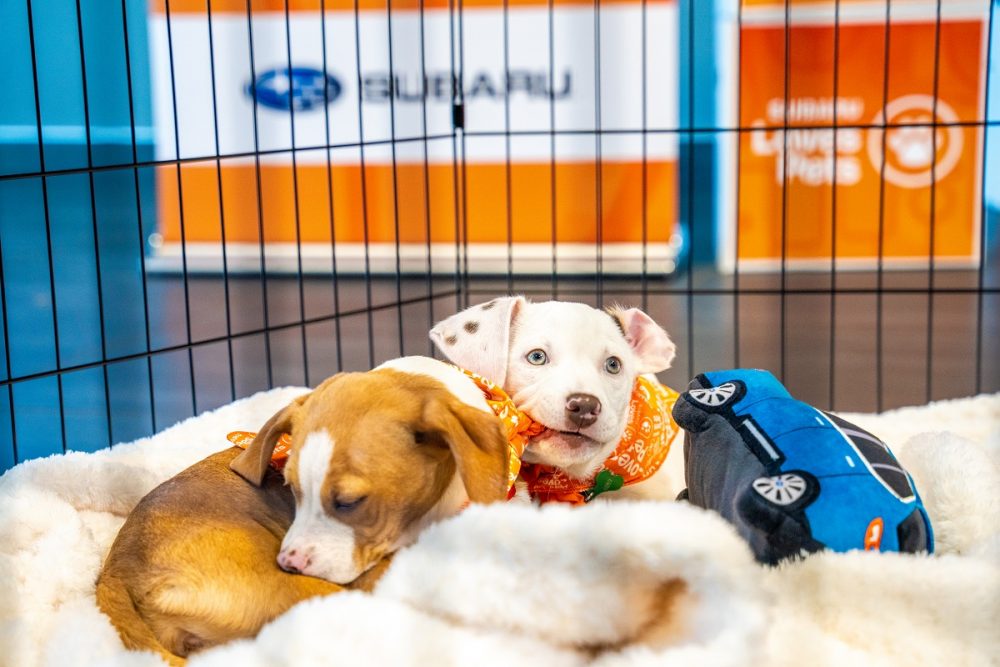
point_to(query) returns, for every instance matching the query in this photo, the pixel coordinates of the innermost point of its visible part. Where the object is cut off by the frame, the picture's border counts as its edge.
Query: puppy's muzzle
(582, 409)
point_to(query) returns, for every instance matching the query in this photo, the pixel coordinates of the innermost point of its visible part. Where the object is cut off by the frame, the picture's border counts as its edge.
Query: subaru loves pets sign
(902, 172)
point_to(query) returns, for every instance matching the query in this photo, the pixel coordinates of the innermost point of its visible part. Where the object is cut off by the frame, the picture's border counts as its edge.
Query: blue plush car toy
(791, 478)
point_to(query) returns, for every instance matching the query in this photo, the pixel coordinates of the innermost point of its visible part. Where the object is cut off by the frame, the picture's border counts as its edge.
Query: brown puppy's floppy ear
(252, 464)
(477, 441)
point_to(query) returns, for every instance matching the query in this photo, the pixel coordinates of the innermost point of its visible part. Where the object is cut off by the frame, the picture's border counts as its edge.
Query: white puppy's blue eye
(537, 357)
(613, 365)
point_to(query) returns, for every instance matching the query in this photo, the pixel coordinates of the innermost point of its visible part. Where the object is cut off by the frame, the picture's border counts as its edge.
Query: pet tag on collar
(604, 482)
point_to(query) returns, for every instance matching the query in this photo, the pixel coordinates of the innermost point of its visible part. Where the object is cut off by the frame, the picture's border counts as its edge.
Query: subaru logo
(299, 89)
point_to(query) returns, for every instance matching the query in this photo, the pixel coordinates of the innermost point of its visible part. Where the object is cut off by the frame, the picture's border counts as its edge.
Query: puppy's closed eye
(345, 504)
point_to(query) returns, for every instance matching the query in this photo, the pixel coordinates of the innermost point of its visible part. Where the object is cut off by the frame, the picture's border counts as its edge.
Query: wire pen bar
(93, 223)
(48, 231)
(508, 181)
(295, 206)
(180, 209)
(598, 180)
(553, 207)
(222, 208)
(364, 188)
(427, 189)
(395, 180)
(140, 237)
(735, 316)
(260, 202)
(879, 340)
(689, 218)
(329, 195)
(6, 355)
(981, 269)
(456, 104)
(833, 208)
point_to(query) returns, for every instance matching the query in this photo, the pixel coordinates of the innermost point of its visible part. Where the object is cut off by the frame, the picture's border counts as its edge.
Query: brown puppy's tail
(114, 600)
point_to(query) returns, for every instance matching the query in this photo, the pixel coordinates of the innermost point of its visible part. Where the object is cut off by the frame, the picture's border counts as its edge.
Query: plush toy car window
(791, 478)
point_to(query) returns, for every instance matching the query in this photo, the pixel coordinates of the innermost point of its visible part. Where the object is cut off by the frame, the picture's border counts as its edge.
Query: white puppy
(574, 370)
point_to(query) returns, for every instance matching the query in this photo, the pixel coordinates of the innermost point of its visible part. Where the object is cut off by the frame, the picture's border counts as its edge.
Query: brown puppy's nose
(293, 561)
(582, 409)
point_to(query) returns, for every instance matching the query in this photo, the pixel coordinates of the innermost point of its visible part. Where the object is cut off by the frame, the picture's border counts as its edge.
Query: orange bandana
(517, 426)
(640, 453)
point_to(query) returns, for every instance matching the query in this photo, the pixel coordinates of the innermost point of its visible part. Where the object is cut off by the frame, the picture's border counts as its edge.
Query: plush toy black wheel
(715, 397)
(781, 489)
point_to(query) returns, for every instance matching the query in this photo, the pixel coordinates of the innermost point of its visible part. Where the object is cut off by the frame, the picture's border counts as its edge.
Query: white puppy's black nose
(582, 409)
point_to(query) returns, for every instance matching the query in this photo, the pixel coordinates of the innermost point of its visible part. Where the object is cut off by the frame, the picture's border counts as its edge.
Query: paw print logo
(915, 146)
(915, 149)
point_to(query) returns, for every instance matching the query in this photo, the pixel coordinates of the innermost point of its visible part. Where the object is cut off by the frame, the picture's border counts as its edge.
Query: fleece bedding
(609, 584)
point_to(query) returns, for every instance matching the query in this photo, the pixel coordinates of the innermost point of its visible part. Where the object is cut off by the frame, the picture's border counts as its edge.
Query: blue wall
(25, 237)
(57, 49)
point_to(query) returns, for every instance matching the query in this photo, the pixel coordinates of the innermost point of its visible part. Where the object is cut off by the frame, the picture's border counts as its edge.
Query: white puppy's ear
(648, 340)
(478, 338)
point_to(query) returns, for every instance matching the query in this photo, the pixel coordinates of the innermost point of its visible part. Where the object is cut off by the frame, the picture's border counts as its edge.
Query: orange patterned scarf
(640, 453)
(518, 426)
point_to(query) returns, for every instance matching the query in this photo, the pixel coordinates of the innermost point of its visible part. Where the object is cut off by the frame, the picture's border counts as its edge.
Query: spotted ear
(478, 338)
(647, 339)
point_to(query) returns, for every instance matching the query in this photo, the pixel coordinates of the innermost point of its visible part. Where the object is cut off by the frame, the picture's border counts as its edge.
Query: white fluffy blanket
(608, 584)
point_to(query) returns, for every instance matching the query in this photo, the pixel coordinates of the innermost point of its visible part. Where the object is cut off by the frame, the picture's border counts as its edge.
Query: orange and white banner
(575, 189)
(894, 193)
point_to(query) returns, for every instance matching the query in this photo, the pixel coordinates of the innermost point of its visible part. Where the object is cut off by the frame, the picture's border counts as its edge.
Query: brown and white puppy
(376, 457)
(570, 367)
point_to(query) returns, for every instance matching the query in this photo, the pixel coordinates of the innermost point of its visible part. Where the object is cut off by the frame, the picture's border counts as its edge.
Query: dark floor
(854, 351)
